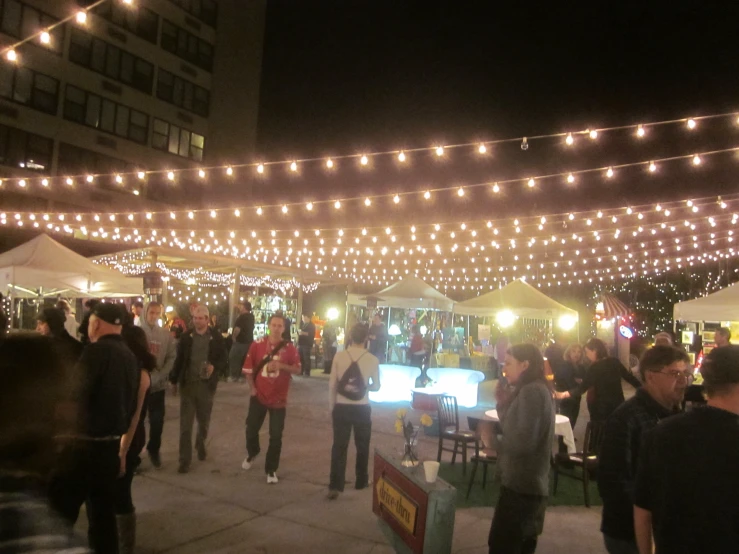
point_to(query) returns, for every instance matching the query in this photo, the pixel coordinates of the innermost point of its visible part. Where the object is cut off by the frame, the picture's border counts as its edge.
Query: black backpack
(352, 384)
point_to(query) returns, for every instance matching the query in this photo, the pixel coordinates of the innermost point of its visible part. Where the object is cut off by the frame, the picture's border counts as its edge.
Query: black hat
(110, 313)
(53, 317)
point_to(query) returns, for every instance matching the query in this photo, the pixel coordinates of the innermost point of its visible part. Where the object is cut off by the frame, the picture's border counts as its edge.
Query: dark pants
(347, 417)
(517, 522)
(88, 475)
(236, 358)
(328, 358)
(123, 497)
(254, 421)
(196, 401)
(620, 546)
(156, 421)
(305, 362)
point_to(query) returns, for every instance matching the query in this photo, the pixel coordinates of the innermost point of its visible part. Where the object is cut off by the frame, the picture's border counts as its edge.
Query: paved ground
(220, 508)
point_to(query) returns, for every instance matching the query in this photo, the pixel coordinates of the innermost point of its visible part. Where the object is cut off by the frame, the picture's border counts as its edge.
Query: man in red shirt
(269, 367)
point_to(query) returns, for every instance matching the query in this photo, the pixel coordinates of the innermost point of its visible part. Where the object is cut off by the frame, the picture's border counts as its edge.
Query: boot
(126, 533)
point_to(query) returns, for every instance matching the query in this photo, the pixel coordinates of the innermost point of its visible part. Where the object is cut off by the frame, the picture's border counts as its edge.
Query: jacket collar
(652, 405)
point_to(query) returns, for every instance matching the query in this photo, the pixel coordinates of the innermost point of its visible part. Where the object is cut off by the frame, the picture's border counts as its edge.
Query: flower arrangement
(410, 433)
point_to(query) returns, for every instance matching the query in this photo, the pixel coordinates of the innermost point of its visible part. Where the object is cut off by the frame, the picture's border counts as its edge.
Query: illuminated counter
(398, 381)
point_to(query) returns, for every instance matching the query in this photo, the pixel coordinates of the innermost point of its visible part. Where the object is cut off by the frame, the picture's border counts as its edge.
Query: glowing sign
(626, 332)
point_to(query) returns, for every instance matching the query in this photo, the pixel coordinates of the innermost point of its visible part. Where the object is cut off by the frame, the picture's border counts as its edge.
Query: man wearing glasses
(665, 373)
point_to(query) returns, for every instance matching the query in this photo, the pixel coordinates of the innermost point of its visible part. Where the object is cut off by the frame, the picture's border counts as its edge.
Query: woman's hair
(535, 372)
(568, 352)
(599, 347)
(136, 340)
(359, 333)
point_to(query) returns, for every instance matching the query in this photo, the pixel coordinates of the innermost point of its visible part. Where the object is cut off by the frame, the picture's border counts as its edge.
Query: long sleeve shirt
(604, 378)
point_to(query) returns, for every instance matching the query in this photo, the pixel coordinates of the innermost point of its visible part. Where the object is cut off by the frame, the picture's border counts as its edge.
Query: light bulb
(570, 178)
(337, 204)
(284, 209)
(439, 150)
(260, 168)
(45, 37)
(482, 149)
(427, 195)
(89, 178)
(396, 199)
(11, 56)
(696, 160)
(531, 183)
(237, 212)
(460, 191)
(118, 179)
(691, 124)
(640, 132)
(201, 174)
(81, 17)
(569, 140)
(401, 156)
(496, 188)
(652, 167)
(364, 160)
(213, 213)
(524, 144)
(69, 181)
(367, 202)
(45, 182)
(229, 171)
(609, 173)
(170, 175)
(309, 206)
(293, 166)
(22, 183)
(259, 211)
(329, 163)
(141, 175)
(593, 134)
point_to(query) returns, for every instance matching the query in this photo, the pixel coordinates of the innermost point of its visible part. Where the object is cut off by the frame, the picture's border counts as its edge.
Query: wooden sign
(396, 503)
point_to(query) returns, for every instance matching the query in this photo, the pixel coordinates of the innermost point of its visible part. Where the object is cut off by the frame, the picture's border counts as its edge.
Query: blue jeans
(620, 546)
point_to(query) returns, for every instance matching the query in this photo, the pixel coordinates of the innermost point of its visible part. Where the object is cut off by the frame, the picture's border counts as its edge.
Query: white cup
(431, 469)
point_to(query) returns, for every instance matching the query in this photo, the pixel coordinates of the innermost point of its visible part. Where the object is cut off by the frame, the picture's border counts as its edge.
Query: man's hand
(210, 369)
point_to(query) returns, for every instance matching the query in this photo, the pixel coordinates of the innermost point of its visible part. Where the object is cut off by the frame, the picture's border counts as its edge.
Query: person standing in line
(306, 340)
(269, 367)
(417, 348)
(687, 483)
(242, 336)
(602, 382)
(567, 376)
(328, 343)
(137, 309)
(352, 412)
(526, 413)
(666, 374)
(201, 357)
(162, 347)
(108, 380)
(70, 323)
(50, 322)
(378, 339)
(132, 442)
(722, 337)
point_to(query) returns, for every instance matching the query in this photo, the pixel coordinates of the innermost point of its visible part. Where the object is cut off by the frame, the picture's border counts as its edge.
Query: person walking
(378, 338)
(329, 344)
(201, 356)
(106, 395)
(350, 409)
(687, 485)
(242, 337)
(306, 340)
(132, 442)
(666, 374)
(602, 382)
(526, 413)
(162, 346)
(269, 367)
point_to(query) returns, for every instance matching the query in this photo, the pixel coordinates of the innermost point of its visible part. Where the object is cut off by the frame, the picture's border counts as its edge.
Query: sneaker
(184, 468)
(246, 464)
(272, 478)
(156, 461)
(332, 495)
(230, 380)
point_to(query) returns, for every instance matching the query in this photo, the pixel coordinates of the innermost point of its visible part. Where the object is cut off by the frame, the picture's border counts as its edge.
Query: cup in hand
(431, 469)
(204, 370)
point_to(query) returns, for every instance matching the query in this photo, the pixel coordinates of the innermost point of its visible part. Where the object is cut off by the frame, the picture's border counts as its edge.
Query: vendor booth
(697, 320)
(613, 327)
(42, 268)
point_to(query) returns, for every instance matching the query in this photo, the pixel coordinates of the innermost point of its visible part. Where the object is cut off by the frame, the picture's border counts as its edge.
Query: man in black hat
(105, 393)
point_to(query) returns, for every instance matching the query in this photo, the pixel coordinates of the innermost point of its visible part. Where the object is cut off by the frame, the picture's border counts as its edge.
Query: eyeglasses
(676, 375)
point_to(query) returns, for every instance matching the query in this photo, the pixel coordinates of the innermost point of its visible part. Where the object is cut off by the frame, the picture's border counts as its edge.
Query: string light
(260, 168)
(496, 188)
(609, 172)
(396, 199)
(593, 134)
(691, 124)
(482, 148)
(401, 156)
(570, 178)
(229, 171)
(569, 140)
(652, 167)
(640, 132)
(309, 206)
(170, 175)
(367, 202)
(201, 173)
(439, 150)
(364, 160)
(337, 205)
(427, 195)
(329, 163)
(141, 175)
(45, 37)
(81, 17)
(11, 55)
(460, 191)
(696, 160)
(531, 183)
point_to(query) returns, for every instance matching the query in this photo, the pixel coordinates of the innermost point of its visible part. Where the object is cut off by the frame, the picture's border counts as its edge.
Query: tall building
(140, 85)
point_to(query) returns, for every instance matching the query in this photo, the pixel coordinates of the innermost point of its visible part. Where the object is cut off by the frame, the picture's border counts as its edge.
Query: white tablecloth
(562, 428)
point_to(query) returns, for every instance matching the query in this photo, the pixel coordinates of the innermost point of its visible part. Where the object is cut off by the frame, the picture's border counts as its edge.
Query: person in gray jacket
(526, 412)
(162, 346)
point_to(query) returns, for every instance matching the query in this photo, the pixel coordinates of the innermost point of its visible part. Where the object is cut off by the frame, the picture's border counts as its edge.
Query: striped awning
(613, 307)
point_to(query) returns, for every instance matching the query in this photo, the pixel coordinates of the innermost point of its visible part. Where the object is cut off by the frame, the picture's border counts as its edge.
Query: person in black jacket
(602, 382)
(201, 358)
(567, 376)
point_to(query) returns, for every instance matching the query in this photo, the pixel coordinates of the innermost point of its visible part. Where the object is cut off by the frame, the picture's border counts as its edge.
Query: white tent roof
(518, 297)
(43, 263)
(407, 293)
(722, 305)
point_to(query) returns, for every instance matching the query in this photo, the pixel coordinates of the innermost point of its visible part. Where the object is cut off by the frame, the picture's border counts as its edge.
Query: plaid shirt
(619, 458)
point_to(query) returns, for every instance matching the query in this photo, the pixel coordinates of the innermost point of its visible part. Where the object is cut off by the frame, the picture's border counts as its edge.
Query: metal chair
(587, 460)
(449, 430)
(485, 455)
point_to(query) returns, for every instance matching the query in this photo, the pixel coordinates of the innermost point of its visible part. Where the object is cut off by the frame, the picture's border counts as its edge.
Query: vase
(410, 458)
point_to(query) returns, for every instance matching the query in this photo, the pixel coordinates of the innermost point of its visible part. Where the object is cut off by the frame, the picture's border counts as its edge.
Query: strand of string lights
(44, 35)
(229, 171)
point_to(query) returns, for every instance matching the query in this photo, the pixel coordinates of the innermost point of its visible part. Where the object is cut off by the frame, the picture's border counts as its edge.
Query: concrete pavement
(220, 508)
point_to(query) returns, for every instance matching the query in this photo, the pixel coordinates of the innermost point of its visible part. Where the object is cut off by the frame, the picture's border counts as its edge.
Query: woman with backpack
(354, 373)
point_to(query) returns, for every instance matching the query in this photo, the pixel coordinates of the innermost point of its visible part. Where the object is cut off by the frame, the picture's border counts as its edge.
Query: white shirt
(368, 364)
(71, 325)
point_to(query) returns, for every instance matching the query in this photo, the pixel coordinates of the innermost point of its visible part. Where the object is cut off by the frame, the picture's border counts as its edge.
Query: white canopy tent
(408, 293)
(42, 267)
(519, 298)
(722, 305)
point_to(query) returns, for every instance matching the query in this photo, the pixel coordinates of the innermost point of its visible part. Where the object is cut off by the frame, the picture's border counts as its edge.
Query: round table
(562, 428)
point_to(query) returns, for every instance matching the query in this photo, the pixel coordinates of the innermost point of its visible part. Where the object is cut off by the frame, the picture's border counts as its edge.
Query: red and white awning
(610, 307)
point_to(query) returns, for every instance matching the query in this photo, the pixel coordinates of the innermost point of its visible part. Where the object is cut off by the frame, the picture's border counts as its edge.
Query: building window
(182, 93)
(20, 20)
(140, 21)
(111, 61)
(205, 10)
(19, 148)
(74, 160)
(105, 115)
(186, 45)
(176, 140)
(30, 88)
